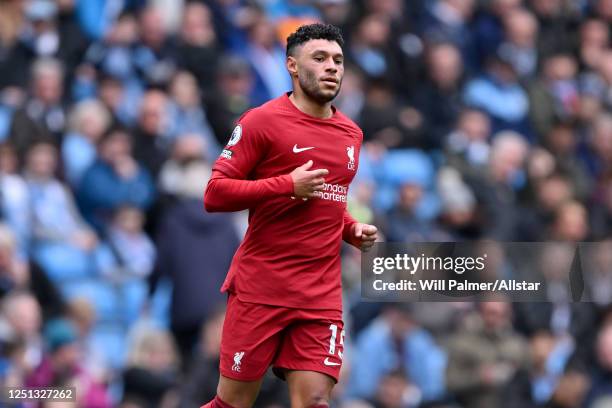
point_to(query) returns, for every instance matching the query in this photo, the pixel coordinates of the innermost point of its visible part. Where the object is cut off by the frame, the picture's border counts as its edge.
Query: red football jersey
(290, 255)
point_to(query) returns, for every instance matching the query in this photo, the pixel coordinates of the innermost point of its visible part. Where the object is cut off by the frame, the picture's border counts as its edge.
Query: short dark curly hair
(316, 31)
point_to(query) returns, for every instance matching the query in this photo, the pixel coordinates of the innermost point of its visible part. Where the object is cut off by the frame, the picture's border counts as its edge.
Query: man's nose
(331, 65)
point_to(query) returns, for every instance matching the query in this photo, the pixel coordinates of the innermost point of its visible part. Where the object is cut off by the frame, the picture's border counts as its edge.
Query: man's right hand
(306, 183)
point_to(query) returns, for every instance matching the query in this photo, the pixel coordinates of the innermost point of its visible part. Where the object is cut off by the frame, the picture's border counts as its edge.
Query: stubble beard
(310, 85)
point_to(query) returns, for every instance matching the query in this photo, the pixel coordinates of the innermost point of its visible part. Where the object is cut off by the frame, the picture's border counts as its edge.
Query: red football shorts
(256, 336)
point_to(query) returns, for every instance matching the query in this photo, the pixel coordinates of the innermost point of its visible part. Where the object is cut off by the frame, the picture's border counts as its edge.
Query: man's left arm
(361, 236)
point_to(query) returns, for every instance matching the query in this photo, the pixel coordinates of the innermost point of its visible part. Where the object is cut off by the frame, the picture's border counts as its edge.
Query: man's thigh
(314, 342)
(250, 339)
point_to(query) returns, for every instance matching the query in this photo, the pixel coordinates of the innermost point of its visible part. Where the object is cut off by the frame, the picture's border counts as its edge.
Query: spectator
(561, 316)
(439, 99)
(448, 21)
(499, 94)
(496, 189)
(369, 49)
(535, 385)
(571, 390)
(351, 98)
(198, 49)
(155, 55)
(458, 217)
(19, 274)
(570, 223)
(521, 35)
(336, 12)
(601, 212)
(385, 120)
(468, 144)
(61, 366)
(97, 17)
(235, 83)
(14, 201)
(594, 39)
(51, 32)
(13, 63)
(21, 322)
(600, 391)
(134, 255)
(555, 95)
(115, 179)
(395, 342)
(603, 9)
(186, 113)
(489, 27)
(484, 357)
(563, 142)
(597, 151)
(187, 169)
(43, 117)
(558, 22)
(598, 82)
(63, 244)
(551, 193)
(88, 121)
(150, 379)
(232, 20)
(81, 313)
(597, 282)
(119, 99)
(151, 132)
(267, 59)
(402, 223)
(404, 49)
(114, 53)
(188, 239)
(395, 391)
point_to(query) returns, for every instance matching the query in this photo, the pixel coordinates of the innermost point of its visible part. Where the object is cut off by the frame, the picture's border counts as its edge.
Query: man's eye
(319, 59)
(339, 62)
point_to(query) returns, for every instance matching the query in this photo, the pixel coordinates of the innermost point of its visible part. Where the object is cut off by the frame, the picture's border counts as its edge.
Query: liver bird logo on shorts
(237, 360)
(350, 152)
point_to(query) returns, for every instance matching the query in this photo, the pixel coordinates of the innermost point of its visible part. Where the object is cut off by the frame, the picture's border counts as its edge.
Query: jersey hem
(248, 299)
(230, 374)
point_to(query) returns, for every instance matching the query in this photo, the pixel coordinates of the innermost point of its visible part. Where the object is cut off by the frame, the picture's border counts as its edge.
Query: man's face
(495, 314)
(318, 66)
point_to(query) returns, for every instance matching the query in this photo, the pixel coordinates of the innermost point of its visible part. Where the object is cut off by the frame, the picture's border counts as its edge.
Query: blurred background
(483, 119)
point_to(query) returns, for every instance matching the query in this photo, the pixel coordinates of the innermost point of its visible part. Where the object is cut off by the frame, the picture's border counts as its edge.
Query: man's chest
(334, 148)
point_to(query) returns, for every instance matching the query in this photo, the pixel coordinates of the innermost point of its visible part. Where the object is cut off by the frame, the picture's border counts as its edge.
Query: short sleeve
(245, 147)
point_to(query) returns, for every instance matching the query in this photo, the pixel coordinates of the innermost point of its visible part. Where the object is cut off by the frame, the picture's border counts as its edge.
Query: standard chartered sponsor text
(333, 192)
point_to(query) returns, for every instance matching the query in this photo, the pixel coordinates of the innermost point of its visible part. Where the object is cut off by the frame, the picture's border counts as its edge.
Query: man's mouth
(333, 81)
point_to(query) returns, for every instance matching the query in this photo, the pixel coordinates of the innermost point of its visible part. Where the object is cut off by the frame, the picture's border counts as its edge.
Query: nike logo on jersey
(330, 363)
(300, 149)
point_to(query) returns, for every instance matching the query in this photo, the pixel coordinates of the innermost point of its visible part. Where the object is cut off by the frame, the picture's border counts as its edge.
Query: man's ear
(292, 66)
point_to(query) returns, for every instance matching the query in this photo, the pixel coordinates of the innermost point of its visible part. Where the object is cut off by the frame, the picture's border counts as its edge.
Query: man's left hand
(366, 234)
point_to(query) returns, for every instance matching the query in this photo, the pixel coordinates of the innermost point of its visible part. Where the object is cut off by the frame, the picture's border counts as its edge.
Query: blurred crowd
(482, 119)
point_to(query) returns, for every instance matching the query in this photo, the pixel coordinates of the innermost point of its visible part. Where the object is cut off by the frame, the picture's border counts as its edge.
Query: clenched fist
(366, 235)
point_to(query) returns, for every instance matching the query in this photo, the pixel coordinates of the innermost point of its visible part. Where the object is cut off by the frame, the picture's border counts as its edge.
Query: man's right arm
(226, 194)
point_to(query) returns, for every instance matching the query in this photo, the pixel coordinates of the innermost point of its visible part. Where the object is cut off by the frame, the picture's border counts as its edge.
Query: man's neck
(310, 107)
